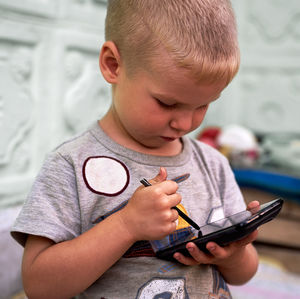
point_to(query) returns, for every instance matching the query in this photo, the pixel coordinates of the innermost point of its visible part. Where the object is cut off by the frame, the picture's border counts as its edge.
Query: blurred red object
(209, 136)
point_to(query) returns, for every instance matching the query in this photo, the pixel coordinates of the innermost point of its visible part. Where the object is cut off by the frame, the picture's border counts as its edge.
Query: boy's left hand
(220, 256)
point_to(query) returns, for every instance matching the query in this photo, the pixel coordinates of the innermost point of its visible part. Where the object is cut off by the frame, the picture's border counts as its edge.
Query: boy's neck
(117, 133)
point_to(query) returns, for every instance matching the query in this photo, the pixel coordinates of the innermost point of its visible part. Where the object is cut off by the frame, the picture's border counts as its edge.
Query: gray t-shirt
(90, 177)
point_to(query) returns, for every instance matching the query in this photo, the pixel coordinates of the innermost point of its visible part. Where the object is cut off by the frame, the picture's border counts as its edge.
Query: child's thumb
(162, 176)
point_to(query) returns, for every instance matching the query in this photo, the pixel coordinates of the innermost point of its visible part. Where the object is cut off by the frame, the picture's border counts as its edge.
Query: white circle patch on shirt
(105, 175)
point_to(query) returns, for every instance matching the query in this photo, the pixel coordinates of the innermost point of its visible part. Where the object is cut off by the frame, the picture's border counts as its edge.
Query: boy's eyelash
(203, 107)
(173, 105)
(164, 104)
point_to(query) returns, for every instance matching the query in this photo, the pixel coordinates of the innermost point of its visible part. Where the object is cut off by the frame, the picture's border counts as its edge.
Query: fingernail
(211, 248)
(190, 249)
(176, 256)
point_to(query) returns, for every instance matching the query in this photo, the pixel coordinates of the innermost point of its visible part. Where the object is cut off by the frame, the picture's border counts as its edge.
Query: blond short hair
(199, 35)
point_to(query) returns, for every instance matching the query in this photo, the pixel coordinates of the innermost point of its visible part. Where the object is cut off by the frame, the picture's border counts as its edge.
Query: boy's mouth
(169, 139)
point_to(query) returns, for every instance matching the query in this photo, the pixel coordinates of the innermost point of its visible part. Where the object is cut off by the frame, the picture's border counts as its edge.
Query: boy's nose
(182, 121)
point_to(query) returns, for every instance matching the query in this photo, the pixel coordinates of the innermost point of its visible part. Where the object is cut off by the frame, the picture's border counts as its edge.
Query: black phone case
(227, 235)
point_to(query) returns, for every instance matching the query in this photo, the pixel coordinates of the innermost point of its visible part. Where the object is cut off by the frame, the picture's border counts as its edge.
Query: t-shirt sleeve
(52, 208)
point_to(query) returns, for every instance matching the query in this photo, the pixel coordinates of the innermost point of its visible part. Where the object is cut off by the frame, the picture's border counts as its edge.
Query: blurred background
(51, 89)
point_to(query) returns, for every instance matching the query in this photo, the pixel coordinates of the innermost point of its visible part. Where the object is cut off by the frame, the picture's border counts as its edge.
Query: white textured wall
(50, 86)
(265, 96)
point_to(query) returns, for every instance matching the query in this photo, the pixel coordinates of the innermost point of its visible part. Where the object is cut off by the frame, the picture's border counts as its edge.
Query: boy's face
(152, 110)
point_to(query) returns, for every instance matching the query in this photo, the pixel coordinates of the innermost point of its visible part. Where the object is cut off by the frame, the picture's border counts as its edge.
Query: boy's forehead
(170, 74)
(179, 86)
(163, 67)
(165, 78)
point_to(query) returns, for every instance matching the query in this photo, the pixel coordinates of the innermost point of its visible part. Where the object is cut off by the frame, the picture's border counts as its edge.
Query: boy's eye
(163, 104)
(174, 105)
(202, 107)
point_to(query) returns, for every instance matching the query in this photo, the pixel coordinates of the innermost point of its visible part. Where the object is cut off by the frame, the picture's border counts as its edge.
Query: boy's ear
(109, 62)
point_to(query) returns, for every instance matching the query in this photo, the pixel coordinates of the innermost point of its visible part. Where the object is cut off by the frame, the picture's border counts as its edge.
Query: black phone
(226, 230)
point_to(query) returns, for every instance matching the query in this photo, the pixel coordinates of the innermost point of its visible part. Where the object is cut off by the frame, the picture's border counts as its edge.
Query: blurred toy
(237, 143)
(209, 136)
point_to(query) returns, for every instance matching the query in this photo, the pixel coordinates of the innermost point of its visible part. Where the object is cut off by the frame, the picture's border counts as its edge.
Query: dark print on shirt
(140, 248)
(220, 288)
(105, 175)
(163, 288)
(166, 268)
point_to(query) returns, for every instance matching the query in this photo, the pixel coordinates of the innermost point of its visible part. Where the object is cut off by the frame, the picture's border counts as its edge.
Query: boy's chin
(162, 147)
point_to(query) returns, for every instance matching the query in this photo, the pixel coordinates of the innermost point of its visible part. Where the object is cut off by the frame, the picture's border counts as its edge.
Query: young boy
(86, 222)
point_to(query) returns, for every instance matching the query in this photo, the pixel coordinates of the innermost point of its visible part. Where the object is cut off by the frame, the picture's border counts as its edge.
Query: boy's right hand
(149, 214)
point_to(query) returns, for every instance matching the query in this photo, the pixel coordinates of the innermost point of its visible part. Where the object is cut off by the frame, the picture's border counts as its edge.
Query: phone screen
(223, 231)
(189, 233)
(225, 222)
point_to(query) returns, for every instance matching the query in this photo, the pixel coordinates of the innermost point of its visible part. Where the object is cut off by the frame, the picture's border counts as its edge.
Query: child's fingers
(162, 188)
(165, 202)
(169, 215)
(167, 229)
(169, 187)
(188, 261)
(223, 252)
(160, 177)
(196, 256)
(253, 206)
(174, 199)
(217, 251)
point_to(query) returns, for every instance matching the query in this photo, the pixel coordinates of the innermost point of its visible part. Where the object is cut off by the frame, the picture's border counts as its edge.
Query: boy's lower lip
(168, 138)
